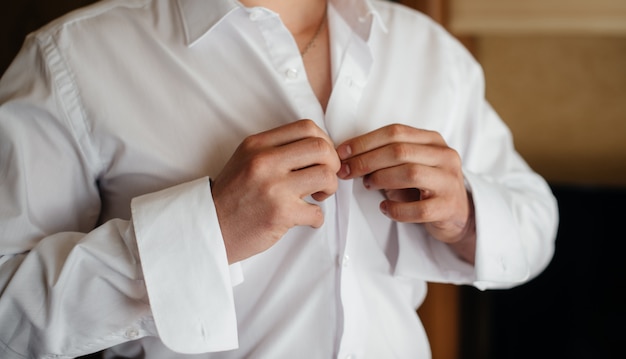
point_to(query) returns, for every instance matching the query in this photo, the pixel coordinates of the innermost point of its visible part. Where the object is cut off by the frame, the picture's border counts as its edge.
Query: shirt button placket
(343, 261)
(132, 333)
(292, 73)
(255, 14)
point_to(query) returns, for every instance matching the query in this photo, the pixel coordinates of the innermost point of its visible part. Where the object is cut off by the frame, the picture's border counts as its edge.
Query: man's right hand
(260, 194)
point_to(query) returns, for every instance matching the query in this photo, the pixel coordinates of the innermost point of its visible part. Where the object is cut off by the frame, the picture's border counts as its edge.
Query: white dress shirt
(114, 117)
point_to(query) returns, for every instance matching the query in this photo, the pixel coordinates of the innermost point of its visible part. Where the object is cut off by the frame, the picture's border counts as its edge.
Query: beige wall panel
(474, 17)
(564, 99)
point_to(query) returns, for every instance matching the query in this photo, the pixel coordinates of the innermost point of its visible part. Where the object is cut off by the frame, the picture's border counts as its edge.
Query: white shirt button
(503, 264)
(132, 333)
(345, 261)
(350, 356)
(350, 81)
(255, 14)
(292, 74)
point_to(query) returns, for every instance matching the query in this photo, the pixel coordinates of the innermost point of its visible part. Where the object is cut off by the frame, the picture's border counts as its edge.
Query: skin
(421, 177)
(302, 18)
(259, 195)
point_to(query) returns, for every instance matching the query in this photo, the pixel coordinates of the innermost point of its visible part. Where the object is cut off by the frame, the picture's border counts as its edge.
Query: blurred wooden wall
(555, 72)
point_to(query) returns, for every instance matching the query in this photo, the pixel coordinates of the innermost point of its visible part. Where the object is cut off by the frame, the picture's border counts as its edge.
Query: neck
(304, 19)
(301, 17)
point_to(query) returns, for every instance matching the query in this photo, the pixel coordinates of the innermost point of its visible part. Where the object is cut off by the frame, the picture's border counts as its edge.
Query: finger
(280, 161)
(408, 175)
(305, 153)
(425, 211)
(386, 135)
(391, 155)
(321, 196)
(405, 195)
(319, 180)
(285, 134)
(308, 214)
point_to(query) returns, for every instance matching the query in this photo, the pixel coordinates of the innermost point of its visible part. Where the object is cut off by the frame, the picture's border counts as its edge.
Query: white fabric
(114, 117)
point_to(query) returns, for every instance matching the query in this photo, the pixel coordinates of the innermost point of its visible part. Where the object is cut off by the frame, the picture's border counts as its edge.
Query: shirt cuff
(500, 257)
(500, 261)
(423, 257)
(185, 268)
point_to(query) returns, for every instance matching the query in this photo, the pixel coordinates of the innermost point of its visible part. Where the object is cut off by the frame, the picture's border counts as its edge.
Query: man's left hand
(420, 176)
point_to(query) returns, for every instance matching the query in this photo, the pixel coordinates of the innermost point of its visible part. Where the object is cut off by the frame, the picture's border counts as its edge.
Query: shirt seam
(68, 98)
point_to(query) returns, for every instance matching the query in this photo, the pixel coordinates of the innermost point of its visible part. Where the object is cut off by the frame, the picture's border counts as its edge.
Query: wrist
(465, 246)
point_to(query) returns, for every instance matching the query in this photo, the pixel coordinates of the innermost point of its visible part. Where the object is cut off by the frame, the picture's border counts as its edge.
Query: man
(262, 179)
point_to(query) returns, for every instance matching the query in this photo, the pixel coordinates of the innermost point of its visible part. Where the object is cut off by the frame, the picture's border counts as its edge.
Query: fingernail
(344, 171)
(383, 207)
(366, 182)
(344, 152)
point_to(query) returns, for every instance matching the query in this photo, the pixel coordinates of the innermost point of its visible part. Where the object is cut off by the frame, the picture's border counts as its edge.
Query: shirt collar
(200, 16)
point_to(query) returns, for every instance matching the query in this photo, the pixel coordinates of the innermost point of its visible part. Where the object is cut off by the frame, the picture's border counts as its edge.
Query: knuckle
(452, 154)
(320, 145)
(326, 175)
(359, 165)
(400, 151)
(307, 126)
(453, 158)
(269, 192)
(330, 179)
(358, 145)
(307, 123)
(251, 142)
(432, 133)
(456, 157)
(317, 217)
(396, 130)
(335, 163)
(325, 151)
(413, 173)
(430, 137)
(258, 163)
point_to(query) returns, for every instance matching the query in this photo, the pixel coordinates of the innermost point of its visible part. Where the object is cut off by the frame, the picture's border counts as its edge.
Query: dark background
(574, 309)
(20, 17)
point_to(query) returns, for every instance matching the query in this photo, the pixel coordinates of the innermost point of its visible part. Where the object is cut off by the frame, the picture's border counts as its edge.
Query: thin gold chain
(311, 42)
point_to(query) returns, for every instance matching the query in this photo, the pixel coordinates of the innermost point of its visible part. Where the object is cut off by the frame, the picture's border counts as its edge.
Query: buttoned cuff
(500, 257)
(420, 256)
(500, 260)
(185, 268)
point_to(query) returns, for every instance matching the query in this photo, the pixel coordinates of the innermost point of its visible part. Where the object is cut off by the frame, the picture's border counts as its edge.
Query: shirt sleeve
(70, 285)
(516, 213)
(174, 245)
